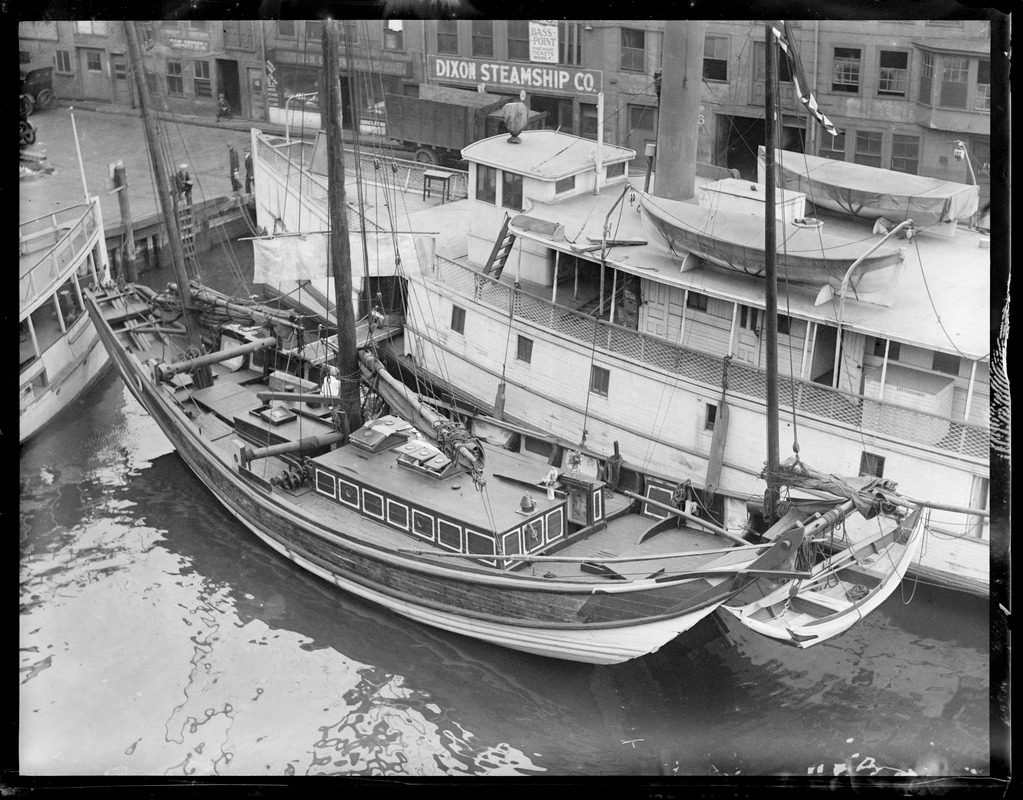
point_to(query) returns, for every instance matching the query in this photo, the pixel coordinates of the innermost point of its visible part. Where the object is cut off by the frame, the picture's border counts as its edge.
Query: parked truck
(441, 121)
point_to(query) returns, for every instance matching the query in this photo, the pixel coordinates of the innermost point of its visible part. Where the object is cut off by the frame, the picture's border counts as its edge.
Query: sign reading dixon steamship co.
(509, 75)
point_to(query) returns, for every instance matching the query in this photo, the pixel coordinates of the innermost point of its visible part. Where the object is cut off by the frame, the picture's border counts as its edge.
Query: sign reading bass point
(506, 75)
(543, 41)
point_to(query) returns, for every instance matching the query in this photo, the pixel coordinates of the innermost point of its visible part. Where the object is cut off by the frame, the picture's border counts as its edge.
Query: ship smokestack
(679, 109)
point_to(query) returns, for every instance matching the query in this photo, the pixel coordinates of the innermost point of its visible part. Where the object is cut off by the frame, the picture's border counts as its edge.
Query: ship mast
(771, 276)
(162, 187)
(340, 246)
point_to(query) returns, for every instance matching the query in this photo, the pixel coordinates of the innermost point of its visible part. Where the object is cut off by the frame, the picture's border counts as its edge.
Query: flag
(786, 42)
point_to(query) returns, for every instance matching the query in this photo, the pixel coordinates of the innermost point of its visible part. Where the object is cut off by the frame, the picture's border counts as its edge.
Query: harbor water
(159, 637)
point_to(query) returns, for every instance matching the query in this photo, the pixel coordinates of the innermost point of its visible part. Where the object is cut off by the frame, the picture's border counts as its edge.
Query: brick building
(902, 92)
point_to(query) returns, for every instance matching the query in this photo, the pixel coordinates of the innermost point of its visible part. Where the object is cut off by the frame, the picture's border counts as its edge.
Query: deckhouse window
(564, 185)
(697, 301)
(600, 380)
(633, 50)
(511, 191)
(893, 73)
(457, 319)
(712, 416)
(447, 36)
(871, 464)
(525, 350)
(518, 39)
(615, 170)
(846, 73)
(486, 184)
(715, 58)
(483, 37)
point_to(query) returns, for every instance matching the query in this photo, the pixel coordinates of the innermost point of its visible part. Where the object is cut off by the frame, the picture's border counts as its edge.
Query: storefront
(567, 94)
(293, 84)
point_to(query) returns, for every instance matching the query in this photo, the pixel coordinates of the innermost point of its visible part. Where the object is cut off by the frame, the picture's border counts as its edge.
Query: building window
(871, 464)
(511, 191)
(197, 25)
(483, 37)
(943, 362)
(905, 153)
(203, 86)
(94, 61)
(394, 35)
(570, 41)
(447, 36)
(63, 62)
(91, 28)
(697, 301)
(458, 319)
(349, 32)
(715, 58)
(926, 78)
(633, 50)
(588, 120)
(893, 75)
(120, 67)
(845, 75)
(832, 147)
(749, 319)
(564, 185)
(525, 351)
(518, 39)
(760, 66)
(486, 184)
(286, 28)
(313, 31)
(868, 148)
(712, 416)
(983, 101)
(175, 78)
(953, 81)
(600, 379)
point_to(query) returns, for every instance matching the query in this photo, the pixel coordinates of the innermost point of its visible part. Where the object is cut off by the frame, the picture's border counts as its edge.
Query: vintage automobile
(36, 86)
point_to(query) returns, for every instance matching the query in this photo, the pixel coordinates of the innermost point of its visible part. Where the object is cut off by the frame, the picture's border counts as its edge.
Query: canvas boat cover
(871, 192)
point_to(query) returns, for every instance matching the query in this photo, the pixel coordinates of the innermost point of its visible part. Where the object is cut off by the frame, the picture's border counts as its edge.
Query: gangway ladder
(502, 249)
(187, 230)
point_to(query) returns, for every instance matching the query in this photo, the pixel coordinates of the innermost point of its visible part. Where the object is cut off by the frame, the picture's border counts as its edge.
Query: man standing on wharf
(233, 159)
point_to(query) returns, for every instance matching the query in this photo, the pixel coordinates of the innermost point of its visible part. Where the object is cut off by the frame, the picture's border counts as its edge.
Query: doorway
(94, 74)
(227, 84)
(739, 139)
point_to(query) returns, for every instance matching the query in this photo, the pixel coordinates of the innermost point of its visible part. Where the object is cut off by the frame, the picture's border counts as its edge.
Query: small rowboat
(843, 589)
(735, 240)
(872, 192)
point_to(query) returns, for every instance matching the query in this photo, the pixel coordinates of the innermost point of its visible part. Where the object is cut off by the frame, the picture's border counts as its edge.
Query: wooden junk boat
(408, 509)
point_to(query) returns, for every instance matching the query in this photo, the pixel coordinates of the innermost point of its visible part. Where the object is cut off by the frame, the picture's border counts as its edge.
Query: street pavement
(116, 134)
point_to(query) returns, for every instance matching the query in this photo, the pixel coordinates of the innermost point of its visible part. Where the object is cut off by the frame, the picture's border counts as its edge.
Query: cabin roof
(543, 154)
(455, 498)
(942, 298)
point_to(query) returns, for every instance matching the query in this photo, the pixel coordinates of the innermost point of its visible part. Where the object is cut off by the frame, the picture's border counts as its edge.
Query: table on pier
(432, 176)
